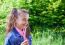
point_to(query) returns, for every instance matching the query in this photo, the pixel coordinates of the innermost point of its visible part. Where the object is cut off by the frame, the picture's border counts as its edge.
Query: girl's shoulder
(9, 36)
(12, 38)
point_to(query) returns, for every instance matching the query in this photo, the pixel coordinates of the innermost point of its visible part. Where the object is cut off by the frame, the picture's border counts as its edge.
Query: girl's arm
(30, 40)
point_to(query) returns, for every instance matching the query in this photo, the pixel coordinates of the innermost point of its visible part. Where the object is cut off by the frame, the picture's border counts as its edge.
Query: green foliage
(47, 13)
(48, 38)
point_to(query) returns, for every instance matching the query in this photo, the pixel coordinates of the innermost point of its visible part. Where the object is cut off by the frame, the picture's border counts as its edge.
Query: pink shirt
(22, 32)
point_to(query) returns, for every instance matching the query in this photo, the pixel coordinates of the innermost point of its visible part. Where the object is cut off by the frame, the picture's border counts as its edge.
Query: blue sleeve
(8, 42)
(12, 41)
(30, 40)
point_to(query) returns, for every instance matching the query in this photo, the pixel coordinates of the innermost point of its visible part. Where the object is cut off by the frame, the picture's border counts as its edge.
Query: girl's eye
(25, 19)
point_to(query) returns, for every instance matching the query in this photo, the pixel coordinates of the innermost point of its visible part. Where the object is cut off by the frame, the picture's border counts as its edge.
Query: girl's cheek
(18, 22)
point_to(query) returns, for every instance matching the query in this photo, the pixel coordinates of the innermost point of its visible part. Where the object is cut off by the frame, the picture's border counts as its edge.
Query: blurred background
(47, 20)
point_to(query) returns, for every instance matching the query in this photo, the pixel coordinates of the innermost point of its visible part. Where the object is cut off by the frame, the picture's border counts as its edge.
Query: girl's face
(22, 20)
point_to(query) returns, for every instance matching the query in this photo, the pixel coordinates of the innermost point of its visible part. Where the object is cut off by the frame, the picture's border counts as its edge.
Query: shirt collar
(16, 32)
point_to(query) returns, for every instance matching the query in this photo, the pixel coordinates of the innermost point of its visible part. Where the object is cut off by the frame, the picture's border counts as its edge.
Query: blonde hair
(11, 18)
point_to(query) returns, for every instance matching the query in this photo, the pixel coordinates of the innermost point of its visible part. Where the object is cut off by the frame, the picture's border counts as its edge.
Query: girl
(17, 29)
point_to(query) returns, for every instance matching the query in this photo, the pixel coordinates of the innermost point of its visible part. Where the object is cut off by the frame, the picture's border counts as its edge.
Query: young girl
(17, 29)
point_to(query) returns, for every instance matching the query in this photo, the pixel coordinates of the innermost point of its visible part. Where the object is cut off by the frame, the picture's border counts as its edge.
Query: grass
(47, 39)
